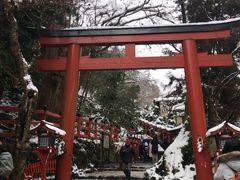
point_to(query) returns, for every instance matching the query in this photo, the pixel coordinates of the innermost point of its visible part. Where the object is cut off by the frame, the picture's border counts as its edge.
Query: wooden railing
(33, 170)
(168, 134)
(90, 129)
(84, 127)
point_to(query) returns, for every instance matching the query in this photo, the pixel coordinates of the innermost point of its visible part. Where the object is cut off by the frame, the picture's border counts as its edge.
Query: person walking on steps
(155, 148)
(142, 152)
(229, 161)
(127, 155)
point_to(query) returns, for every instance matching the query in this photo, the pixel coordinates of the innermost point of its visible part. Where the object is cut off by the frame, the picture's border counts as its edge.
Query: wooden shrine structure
(221, 133)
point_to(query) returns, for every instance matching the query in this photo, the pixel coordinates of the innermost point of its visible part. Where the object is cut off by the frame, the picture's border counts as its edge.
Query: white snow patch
(173, 157)
(30, 86)
(51, 126)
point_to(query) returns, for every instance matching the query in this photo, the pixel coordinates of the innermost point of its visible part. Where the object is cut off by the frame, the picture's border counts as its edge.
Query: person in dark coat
(142, 152)
(165, 144)
(6, 162)
(229, 161)
(127, 155)
(155, 143)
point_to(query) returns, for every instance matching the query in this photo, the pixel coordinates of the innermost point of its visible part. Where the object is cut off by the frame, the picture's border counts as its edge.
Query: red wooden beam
(177, 61)
(16, 109)
(46, 113)
(10, 108)
(8, 121)
(139, 39)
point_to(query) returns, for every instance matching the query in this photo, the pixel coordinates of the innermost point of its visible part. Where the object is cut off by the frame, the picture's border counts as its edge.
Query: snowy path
(112, 172)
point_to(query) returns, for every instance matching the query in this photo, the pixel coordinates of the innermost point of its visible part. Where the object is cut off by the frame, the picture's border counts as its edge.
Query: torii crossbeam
(190, 60)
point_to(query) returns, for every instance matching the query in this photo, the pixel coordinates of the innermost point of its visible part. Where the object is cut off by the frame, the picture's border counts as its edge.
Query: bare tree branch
(124, 13)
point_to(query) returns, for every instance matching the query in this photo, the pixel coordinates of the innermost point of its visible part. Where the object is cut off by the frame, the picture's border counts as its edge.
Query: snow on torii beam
(131, 37)
(190, 60)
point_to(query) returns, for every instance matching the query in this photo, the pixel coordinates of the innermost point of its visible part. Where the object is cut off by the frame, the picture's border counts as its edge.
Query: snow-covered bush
(172, 165)
(59, 146)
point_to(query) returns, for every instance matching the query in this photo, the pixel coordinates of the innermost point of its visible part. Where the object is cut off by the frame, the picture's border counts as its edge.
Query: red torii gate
(190, 60)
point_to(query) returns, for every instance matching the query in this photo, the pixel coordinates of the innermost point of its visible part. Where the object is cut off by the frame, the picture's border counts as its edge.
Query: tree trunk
(29, 93)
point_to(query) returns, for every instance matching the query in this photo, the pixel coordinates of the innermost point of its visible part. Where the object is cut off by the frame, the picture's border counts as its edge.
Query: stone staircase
(112, 171)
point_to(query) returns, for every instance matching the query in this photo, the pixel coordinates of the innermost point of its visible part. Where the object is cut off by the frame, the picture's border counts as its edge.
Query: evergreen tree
(218, 83)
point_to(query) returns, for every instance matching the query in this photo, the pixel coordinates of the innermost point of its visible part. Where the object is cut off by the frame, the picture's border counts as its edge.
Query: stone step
(117, 168)
(117, 174)
(111, 177)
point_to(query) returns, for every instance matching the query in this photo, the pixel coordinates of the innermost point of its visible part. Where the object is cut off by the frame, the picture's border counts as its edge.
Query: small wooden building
(46, 132)
(219, 134)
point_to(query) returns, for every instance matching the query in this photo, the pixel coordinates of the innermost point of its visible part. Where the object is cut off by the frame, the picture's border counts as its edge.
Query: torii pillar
(190, 60)
(196, 107)
(64, 165)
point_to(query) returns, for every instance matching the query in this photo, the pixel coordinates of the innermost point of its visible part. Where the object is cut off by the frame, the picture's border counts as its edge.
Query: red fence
(89, 129)
(168, 134)
(84, 128)
(33, 170)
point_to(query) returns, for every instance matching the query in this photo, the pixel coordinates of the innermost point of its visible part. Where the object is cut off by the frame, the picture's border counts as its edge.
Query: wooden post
(196, 107)
(64, 164)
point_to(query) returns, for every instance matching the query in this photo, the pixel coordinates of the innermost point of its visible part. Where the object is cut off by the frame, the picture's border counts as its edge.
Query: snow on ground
(173, 158)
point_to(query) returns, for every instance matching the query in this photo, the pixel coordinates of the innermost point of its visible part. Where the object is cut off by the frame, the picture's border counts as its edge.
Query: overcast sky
(160, 75)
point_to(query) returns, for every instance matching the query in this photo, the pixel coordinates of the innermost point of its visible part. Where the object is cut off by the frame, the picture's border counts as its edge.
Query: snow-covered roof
(234, 20)
(48, 126)
(222, 127)
(126, 30)
(162, 126)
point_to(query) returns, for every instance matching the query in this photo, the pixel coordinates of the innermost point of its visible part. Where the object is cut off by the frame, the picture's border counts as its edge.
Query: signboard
(106, 141)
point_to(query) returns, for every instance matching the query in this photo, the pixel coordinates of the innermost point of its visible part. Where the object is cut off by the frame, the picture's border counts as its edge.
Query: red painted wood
(196, 107)
(130, 50)
(152, 38)
(54, 115)
(9, 108)
(35, 168)
(64, 163)
(191, 62)
(231, 131)
(88, 129)
(96, 131)
(111, 133)
(8, 121)
(176, 61)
